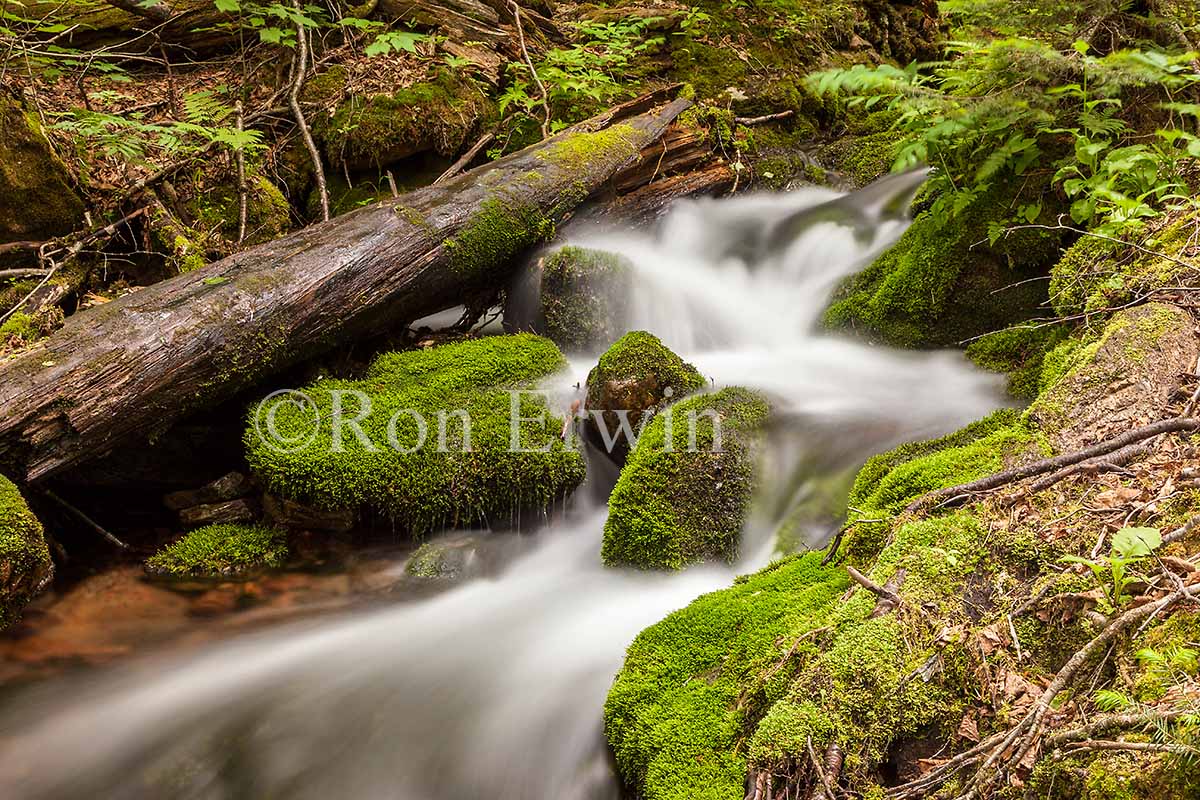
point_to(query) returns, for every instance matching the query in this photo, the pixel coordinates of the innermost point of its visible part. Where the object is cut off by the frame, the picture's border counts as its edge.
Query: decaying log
(127, 370)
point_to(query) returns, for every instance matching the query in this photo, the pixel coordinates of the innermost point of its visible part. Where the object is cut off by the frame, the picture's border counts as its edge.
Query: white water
(494, 689)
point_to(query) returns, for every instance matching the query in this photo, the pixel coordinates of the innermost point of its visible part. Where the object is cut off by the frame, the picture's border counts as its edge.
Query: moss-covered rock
(416, 460)
(444, 558)
(583, 294)
(683, 495)
(220, 550)
(942, 282)
(437, 115)
(24, 558)
(36, 198)
(636, 376)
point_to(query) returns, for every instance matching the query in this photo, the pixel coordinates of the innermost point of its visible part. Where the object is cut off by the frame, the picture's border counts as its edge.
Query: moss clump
(19, 330)
(747, 675)
(220, 550)
(495, 234)
(937, 285)
(454, 475)
(583, 297)
(678, 503)
(864, 158)
(215, 211)
(1021, 352)
(24, 557)
(36, 199)
(437, 115)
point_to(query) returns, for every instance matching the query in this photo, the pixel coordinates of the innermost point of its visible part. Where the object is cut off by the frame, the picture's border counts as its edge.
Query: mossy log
(132, 367)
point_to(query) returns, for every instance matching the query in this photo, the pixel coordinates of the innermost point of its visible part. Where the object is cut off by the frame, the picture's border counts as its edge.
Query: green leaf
(1136, 542)
(216, 280)
(228, 6)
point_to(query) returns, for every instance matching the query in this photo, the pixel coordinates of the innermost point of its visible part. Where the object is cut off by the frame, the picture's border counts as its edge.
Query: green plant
(1129, 547)
(1004, 109)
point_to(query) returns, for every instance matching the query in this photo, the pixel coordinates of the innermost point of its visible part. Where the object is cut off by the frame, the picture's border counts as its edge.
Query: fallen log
(130, 368)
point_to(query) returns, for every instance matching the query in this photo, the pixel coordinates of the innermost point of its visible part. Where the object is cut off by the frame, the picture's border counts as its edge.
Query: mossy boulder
(444, 558)
(1124, 378)
(1021, 353)
(685, 490)
(942, 282)
(36, 198)
(410, 453)
(583, 297)
(220, 551)
(634, 377)
(437, 115)
(24, 558)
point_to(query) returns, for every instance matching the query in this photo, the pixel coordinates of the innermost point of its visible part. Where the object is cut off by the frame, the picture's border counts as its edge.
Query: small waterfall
(494, 689)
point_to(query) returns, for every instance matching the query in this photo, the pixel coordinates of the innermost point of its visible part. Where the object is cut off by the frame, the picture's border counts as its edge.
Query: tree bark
(128, 369)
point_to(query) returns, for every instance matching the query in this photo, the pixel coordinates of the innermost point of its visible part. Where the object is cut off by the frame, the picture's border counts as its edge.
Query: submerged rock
(583, 296)
(444, 558)
(637, 375)
(220, 550)
(431, 442)
(685, 490)
(24, 558)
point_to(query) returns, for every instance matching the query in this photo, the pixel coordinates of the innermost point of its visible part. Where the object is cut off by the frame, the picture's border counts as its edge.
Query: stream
(494, 688)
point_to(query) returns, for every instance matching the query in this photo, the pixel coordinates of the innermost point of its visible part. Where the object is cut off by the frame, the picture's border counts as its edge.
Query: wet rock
(295, 515)
(227, 487)
(583, 297)
(636, 376)
(24, 558)
(445, 558)
(218, 513)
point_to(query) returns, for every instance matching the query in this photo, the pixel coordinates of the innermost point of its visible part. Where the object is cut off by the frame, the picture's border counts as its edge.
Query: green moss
(673, 506)
(496, 233)
(1021, 352)
(19, 326)
(942, 283)
(747, 675)
(36, 199)
(437, 115)
(425, 489)
(215, 210)
(583, 295)
(217, 550)
(24, 557)
(864, 158)
(572, 152)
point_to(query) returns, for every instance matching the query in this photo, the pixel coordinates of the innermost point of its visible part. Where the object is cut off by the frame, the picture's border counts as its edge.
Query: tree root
(954, 495)
(1004, 751)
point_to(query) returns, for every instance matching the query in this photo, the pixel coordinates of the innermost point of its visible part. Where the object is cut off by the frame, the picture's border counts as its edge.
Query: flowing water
(494, 689)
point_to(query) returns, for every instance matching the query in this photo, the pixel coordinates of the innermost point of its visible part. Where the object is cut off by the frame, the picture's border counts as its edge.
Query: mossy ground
(220, 550)
(426, 489)
(678, 504)
(24, 557)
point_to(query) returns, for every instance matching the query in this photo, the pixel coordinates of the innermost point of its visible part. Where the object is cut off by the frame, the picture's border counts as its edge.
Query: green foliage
(1129, 547)
(451, 474)
(580, 78)
(686, 487)
(1005, 108)
(220, 550)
